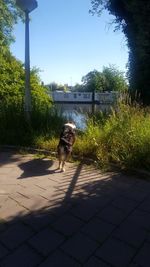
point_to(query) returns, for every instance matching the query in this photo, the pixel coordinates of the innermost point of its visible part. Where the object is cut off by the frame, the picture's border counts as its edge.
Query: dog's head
(70, 124)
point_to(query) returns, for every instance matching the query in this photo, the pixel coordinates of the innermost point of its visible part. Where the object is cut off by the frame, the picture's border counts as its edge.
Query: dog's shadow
(37, 167)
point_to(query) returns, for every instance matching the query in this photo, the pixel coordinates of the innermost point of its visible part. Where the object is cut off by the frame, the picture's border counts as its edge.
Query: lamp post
(27, 6)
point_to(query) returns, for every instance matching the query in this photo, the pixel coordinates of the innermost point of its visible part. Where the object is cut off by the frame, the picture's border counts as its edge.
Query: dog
(66, 142)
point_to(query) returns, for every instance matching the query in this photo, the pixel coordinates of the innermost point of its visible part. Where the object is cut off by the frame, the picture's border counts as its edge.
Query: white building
(84, 97)
(107, 97)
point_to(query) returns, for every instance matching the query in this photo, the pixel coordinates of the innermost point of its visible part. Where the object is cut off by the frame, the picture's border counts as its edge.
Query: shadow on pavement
(80, 228)
(8, 157)
(73, 183)
(36, 167)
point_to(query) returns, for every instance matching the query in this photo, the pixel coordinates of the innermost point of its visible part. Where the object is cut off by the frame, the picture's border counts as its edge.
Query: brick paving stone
(34, 191)
(60, 208)
(46, 241)
(140, 218)
(40, 219)
(24, 256)
(143, 185)
(100, 201)
(116, 253)
(35, 167)
(5, 171)
(12, 210)
(112, 215)
(3, 225)
(136, 194)
(131, 233)
(47, 184)
(145, 206)
(143, 256)
(84, 211)
(87, 214)
(67, 224)
(31, 204)
(7, 189)
(125, 204)
(3, 251)
(58, 259)
(53, 195)
(3, 199)
(97, 229)
(119, 186)
(15, 235)
(95, 262)
(133, 264)
(79, 247)
(148, 237)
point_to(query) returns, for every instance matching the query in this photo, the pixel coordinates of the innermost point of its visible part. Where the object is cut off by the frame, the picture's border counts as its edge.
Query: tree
(40, 98)
(114, 79)
(94, 81)
(77, 88)
(52, 86)
(110, 79)
(11, 80)
(134, 20)
(8, 17)
(12, 76)
(12, 73)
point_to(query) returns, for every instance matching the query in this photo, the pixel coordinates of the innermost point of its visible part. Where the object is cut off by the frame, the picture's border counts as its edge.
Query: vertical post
(93, 101)
(27, 101)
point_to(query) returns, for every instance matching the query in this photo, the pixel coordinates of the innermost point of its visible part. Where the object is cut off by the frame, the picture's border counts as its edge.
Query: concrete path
(78, 218)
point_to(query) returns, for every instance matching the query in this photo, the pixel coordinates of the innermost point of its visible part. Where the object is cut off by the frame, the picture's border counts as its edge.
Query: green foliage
(115, 80)
(11, 80)
(57, 87)
(77, 87)
(40, 98)
(13, 125)
(94, 81)
(121, 137)
(86, 144)
(8, 17)
(15, 129)
(134, 20)
(110, 79)
(126, 137)
(12, 76)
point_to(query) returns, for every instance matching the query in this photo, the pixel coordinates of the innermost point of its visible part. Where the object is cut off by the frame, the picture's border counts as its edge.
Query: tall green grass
(121, 137)
(124, 138)
(16, 130)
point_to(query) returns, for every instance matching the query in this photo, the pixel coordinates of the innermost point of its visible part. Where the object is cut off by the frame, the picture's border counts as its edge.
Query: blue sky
(66, 42)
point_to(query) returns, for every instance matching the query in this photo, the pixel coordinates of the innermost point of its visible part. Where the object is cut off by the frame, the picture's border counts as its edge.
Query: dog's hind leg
(60, 164)
(60, 157)
(65, 159)
(63, 166)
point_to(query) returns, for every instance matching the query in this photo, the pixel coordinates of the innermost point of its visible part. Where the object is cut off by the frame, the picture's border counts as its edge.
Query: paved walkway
(78, 218)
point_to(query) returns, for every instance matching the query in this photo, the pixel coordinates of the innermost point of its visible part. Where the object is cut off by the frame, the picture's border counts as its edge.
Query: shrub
(126, 137)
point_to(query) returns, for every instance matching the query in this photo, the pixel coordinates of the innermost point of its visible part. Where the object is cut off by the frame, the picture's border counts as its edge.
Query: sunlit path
(78, 218)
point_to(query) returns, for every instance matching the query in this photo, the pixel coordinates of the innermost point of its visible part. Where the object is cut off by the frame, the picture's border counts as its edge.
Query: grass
(122, 137)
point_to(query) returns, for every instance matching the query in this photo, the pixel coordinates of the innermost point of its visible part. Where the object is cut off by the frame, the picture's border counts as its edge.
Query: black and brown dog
(67, 139)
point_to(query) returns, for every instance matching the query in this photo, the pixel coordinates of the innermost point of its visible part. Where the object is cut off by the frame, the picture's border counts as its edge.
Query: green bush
(125, 137)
